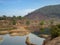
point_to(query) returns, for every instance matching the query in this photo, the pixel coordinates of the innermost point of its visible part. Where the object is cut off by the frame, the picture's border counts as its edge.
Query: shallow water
(20, 40)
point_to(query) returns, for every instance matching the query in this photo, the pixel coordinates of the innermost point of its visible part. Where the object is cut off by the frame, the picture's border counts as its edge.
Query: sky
(23, 7)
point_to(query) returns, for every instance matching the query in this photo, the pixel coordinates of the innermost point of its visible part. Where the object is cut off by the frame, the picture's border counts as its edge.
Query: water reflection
(20, 40)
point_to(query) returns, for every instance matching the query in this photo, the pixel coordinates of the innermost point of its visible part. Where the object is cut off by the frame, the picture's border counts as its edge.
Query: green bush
(19, 17)
(14, 22)
(27, 23)
(55, 31)
(42, 23)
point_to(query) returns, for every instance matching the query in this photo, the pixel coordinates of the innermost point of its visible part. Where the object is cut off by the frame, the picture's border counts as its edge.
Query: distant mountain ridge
(44, 13)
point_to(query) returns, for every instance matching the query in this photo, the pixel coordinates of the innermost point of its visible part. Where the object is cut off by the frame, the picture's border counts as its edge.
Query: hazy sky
(23, 7)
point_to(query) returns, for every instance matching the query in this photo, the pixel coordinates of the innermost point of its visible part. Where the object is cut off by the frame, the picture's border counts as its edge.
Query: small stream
(20, 40)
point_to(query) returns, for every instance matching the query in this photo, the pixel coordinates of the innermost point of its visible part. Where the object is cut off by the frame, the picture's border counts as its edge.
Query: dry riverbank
(19, 31)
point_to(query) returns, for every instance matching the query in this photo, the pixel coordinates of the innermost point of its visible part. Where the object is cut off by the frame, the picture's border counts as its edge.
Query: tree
(14, 22)
(14, 18)
(55, 31)
(51, 22)
(19, 17)
(41, 25)
(27, 22)
(4, 17)
(1, 18)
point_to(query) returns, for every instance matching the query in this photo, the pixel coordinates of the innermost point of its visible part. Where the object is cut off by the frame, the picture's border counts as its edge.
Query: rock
(44, 36)
(28, 41)
(55, 41)
(3, 32)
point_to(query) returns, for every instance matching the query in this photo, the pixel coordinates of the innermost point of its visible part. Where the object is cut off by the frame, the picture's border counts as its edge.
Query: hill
(45, 13)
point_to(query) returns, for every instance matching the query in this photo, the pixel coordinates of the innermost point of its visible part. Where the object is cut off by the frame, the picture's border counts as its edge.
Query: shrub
(55, 31)
(27, 22)
(14, 22)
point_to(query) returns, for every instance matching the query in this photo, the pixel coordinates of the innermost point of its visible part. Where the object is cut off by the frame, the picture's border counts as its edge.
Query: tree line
(4, 17)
